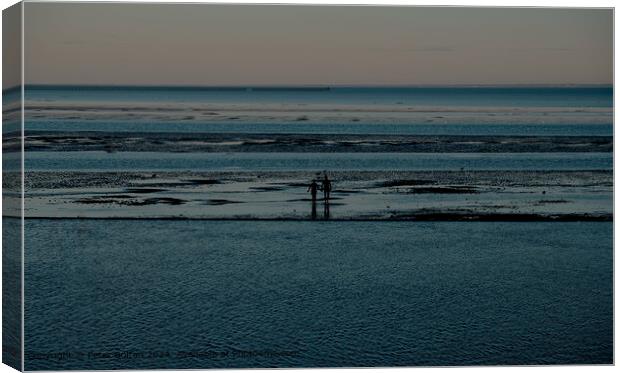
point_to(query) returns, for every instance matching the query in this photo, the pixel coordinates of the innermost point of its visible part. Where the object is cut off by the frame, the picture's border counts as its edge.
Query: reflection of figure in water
(327, 188)
(313, 189)
(326, 210)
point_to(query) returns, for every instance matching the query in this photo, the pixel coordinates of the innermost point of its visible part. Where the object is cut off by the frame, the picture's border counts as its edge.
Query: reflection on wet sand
(356, 195)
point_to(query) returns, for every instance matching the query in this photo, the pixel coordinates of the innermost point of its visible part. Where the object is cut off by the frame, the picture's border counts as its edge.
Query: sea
(168, 294)
(156, 294)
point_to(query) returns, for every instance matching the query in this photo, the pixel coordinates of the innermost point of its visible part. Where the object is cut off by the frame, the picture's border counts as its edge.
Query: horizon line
(302, 86)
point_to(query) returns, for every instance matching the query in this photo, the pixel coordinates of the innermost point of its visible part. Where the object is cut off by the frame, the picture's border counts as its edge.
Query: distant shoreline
(302, 87)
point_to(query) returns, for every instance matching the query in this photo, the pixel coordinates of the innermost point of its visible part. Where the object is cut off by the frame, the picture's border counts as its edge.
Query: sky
(217, 44)
(11, 51)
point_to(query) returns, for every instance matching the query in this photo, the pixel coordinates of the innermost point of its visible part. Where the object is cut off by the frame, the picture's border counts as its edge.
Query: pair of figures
(326, 187)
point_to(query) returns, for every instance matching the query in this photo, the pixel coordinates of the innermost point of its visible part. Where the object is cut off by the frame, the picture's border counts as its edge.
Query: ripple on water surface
(303, 294)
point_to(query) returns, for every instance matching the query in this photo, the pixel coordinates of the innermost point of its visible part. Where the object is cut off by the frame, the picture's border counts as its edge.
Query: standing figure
(327, 188)
(313, 190)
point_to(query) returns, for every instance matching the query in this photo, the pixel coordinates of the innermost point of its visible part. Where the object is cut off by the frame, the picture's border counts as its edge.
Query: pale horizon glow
(243, 45)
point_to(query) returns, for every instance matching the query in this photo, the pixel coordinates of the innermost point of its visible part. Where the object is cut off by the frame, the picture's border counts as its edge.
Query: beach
(520, 154)
(357, 195)
(464, 226)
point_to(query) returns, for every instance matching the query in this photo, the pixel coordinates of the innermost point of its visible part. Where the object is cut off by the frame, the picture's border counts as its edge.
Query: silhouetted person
(313, 190)
(327, 188)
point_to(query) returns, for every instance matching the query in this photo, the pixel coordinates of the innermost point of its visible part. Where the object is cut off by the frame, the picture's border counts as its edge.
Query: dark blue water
(411, 128)
(579, 113)
(212, 294)
(11, 105)
(152, 161)
(11, 287)
(425, 96)
(206, 294)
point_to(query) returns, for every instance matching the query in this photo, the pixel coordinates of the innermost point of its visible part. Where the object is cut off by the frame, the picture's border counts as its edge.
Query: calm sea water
(153, 161)
(574, 119)
(475, 129)
(424, 96)
(110, 294)
(140, 294)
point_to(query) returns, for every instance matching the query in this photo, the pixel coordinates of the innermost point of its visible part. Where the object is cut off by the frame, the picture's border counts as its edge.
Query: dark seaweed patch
(204, 181)
(135, 202)
(266, 189)
(348, 191)
(220, 202)
(95, 200)
(396, 183)
(144, 190)
(155, 201)
(444, 190)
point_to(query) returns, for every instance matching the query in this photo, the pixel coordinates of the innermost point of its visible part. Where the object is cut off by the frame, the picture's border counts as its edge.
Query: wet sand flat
(357, 195)
(393, 112)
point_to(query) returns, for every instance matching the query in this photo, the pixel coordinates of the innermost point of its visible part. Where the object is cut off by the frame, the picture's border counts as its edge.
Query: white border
(23, 199)
(481, 3)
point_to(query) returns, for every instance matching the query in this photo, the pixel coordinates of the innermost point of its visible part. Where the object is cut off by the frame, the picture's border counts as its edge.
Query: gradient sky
(11, 51)
(212, 44)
